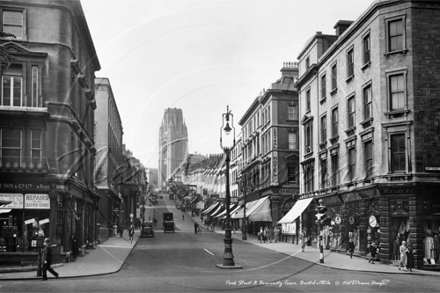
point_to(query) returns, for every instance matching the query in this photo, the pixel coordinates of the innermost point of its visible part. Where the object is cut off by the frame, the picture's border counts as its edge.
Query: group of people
(406, 256)
(269, 233)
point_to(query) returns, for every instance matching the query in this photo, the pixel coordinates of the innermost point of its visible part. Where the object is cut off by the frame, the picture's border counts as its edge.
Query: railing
(23, 163)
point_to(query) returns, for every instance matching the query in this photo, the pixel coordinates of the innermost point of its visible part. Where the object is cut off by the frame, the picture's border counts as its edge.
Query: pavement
(110, 256)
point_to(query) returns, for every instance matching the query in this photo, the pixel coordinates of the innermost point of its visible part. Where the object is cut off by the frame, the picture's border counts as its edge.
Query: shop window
(11, 145)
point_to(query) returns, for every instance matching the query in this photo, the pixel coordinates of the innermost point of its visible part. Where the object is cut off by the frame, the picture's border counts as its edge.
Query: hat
(47, 240)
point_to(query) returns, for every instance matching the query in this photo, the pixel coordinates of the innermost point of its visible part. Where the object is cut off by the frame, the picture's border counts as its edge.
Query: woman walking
(403, 261)
(303, 239)
(409, 257)
(373, 248)
(351, 246)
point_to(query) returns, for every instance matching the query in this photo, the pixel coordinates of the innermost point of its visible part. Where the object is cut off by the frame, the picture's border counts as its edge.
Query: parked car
(147, 229)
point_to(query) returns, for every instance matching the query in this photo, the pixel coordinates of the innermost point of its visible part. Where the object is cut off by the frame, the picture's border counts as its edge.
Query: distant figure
(121, 230)
(196, 227)
(373, 252)
(131, 233)
(183, 217)
(303, 239)
(351, 246)
(155, 222)
(409, 257)
(47, 260)
(74, 247)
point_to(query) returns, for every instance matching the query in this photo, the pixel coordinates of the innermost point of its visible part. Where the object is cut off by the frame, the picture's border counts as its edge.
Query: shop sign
(434, 169)
(332, 200)
(15, 198)
(37, 201)
(288, 191)
(372, 221)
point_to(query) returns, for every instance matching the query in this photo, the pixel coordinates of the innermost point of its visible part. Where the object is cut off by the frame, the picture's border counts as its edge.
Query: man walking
(47, 260)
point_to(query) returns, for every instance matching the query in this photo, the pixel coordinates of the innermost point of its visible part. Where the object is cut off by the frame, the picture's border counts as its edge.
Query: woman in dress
(403, 261)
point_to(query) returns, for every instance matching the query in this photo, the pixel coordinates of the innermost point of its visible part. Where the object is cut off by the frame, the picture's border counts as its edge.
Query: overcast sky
(199, 56)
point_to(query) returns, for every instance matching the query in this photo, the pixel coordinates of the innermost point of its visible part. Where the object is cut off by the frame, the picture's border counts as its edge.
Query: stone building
(173, 144)
(109, 158)
(369, 136)
(47, 129)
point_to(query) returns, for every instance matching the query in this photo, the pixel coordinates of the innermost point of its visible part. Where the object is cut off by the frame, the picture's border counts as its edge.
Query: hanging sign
(338, 220)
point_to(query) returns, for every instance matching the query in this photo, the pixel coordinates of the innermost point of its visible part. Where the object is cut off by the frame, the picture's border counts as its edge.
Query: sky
(199, 56)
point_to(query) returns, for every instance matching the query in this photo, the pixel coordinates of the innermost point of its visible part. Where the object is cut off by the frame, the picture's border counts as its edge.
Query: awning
(239, 214)
(296, 211)
(260, 212)
(231, 207)
(214, 205)
(5, 211)
(216, 211)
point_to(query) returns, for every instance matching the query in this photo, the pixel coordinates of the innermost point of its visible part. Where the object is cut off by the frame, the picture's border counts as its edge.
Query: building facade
(109, 158)
(173, 144)
(369, 112)
(47, 125)
(269, 145)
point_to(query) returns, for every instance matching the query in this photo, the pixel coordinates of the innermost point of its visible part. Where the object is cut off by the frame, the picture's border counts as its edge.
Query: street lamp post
(227, 143)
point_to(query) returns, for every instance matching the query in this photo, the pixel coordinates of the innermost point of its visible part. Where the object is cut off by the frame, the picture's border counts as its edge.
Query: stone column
(53, 196)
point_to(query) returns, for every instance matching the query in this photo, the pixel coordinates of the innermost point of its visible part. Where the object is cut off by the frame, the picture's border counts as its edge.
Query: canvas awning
(213, 206)
(5, 211)
(231, 207)
(295, 211)
(216, 211)
(260, 212)
(239, 214)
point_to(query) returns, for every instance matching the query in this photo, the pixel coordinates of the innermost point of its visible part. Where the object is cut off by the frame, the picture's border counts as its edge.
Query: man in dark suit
(47, 260)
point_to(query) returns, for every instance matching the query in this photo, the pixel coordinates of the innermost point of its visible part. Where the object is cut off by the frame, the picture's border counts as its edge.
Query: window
(368, 157)
(397, 92)
(368, 111)
(308, 177)
(307, 63)
(335, 120)
(323, 86)
(334, 77)
(12, 88)
(292, 170)
(323, 128)
(36, 146)
(351, 112)
(324, 174)
(35, 87)
(308, 100)
(395, 35)
(352, 163)
(293, 113)
(367, 48)
(293, 142)
(13, 23)
(350, 63)
(11, 146)
(335, 169)
(398, 151)
(308, 132)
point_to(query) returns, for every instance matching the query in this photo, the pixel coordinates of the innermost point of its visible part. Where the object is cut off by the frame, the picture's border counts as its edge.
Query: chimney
(341, 26)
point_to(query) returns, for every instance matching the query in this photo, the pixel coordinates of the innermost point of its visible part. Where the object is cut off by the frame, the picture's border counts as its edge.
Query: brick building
(370, 124)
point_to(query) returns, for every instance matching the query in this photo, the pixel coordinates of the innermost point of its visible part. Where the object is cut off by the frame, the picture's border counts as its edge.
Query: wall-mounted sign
(16, 200)
(432, 169)
(37, 201)
(372, 221)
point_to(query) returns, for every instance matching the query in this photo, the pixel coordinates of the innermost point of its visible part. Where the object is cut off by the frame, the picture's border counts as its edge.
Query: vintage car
(147, 229)
(168, 222)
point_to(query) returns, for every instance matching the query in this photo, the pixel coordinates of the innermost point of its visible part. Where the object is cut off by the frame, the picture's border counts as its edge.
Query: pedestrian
(410, 257)
(74, 247)
(351, 246)
(121, 230)
(276, 234)
(155, 222)
(196, 227)
(183, 217)
(372, 252)
(303, 239)
(270, 234)
(47, 260)
(260, 234)
(403, 261)
(131, 233)
(265, 234)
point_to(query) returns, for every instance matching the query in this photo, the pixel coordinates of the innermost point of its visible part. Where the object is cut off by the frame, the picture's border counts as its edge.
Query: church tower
(173, 143)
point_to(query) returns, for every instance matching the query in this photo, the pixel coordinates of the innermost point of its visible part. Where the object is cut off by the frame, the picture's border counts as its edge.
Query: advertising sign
(15, 198)
(37, 201)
